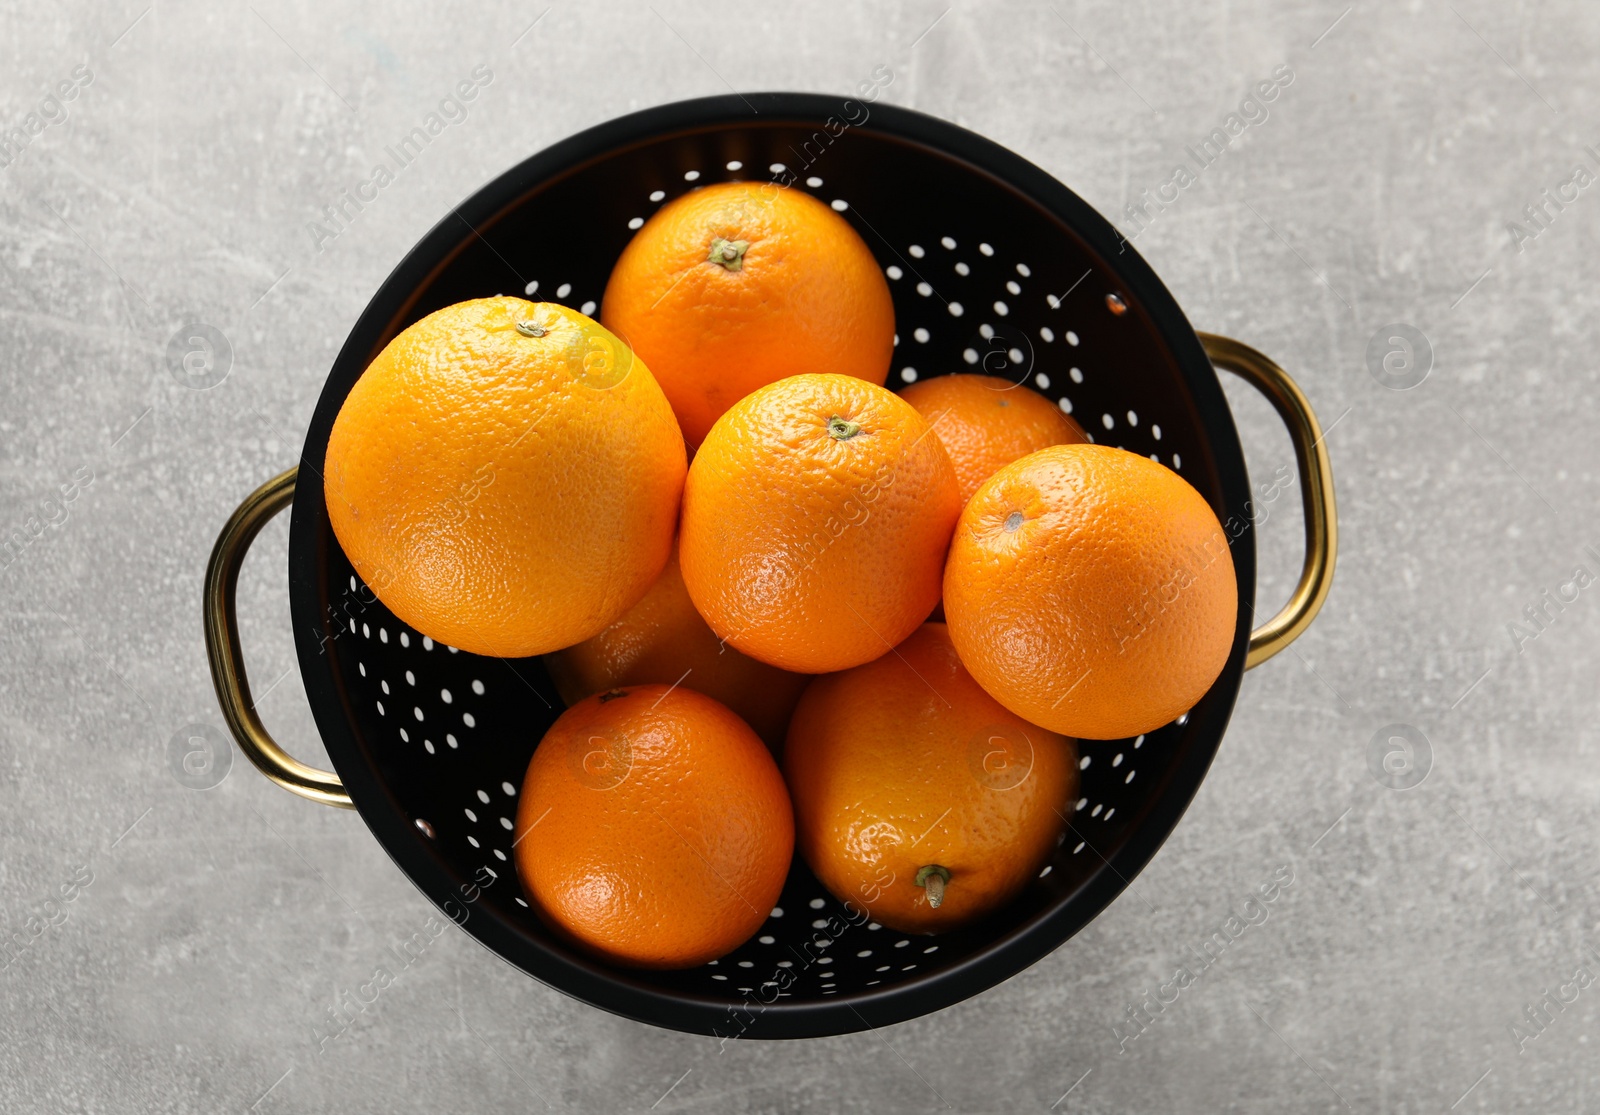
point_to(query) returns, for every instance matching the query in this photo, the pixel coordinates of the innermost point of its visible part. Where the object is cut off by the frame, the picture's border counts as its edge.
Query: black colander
(994, 266)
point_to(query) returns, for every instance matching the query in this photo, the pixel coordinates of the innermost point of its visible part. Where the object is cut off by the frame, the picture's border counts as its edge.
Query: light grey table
(209, 932)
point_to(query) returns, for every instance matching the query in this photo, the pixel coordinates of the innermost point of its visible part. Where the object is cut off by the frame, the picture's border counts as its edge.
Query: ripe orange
(663, 639)
(741, 284)
(654, 829)
(816, 516)
(505, 476)
(1090, 590)
(916, 796)
(985, 423)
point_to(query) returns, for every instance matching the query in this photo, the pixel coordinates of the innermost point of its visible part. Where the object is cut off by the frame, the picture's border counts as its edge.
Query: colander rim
(616, 991)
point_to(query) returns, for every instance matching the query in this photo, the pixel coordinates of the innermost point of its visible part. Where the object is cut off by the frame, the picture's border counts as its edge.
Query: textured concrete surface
(184, 944)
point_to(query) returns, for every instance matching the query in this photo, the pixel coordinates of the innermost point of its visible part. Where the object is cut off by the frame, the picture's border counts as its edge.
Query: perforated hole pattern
(982, 281)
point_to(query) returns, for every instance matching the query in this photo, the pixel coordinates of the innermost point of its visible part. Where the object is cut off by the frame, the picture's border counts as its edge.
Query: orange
(663, 639)
(916, 796)
(815, 521)
(654, 829)
(1090, 590)
(985, 423)
(741, 284)
(505, 476)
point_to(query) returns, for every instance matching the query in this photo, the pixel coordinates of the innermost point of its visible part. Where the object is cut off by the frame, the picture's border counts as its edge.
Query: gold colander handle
(1316, 492)
(227, 660)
